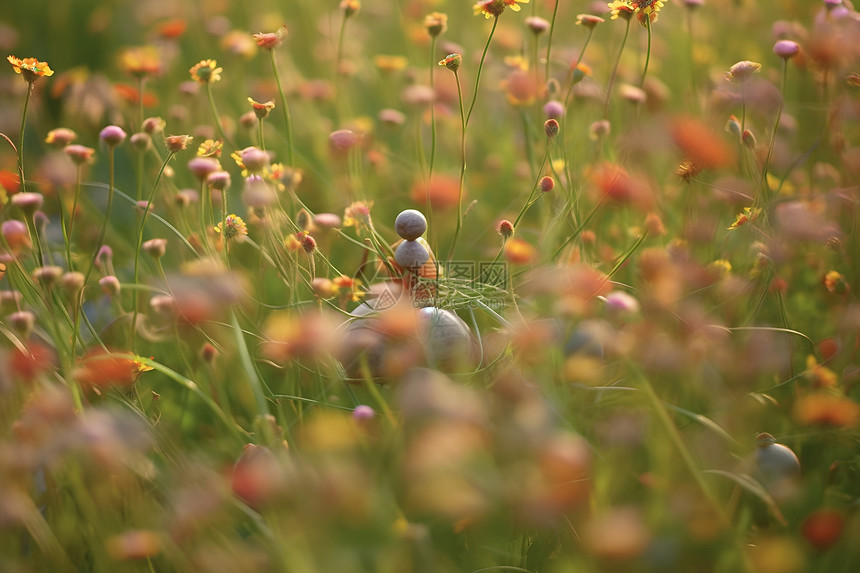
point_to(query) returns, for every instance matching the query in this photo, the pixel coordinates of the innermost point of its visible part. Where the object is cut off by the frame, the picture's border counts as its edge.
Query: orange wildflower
(494, 8)
(827, 408)
(519, 252)
(270, 40)
(30, 68)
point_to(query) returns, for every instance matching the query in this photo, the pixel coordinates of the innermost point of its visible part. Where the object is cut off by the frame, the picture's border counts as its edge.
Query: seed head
(505, 228)
(452, 62)
(270, 40)
(177, 143)
(261, 110)
(742, 71)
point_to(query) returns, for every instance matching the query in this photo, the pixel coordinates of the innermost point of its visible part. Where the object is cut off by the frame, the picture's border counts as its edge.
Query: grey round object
(775, 463)
(410, 224)
(411, 254)
(448, 340)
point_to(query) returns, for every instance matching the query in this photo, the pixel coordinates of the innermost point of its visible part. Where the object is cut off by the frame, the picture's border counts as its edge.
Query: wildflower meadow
(430, 286)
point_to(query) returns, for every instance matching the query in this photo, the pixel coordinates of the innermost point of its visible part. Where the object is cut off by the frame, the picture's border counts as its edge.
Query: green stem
(463, 122)
(763, 185)
(216, 116)
(288, 125)
(140, 243)
(648, 52)
(21, 138)
(615, 72)
(480, 68)
(429, 207)
(103, 230)
(262, 138)
(549, 38)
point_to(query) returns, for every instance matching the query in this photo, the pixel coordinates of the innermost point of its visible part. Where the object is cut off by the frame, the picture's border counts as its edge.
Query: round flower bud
(28, 202)
(140, 140)
(219, 180)
(110, 285)
(22, 322)
(553, 109)
(201, 167)
(79, 154)
(112, 135)
(786, 49)
(16, 234)
(254, 159)
(47, 275)
(153, 125)
(410, 224)
(505, 228)
(537, 25)
(72, 282)
(550, 127)
(61, 137)
(547, 184)
(155, 248)
(411, 255)
(363, 412)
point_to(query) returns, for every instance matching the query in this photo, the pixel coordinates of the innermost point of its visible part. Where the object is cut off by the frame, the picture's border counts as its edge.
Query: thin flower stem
(615, 72)
(21, 138)
(647, 53)
(693, 86)
(463, 121)
(433, 65)
(215, 115)
(262, 138)
(529, 202)
(140, 83)
(103, 230)
(763, 184)
(480, 68)
(567, 164)
(140, 243)
(549, 39)
(66, 233)
(285, 108)
(36, 240)
(432, 109)
(205, 198)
